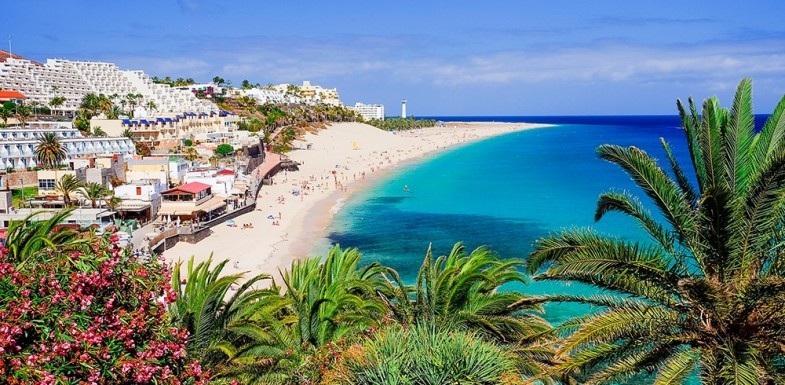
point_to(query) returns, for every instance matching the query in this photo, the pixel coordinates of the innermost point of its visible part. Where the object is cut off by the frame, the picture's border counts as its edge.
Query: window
(46, 184)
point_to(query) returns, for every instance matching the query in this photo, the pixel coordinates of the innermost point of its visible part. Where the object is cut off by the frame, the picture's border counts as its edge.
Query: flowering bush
(95, 317)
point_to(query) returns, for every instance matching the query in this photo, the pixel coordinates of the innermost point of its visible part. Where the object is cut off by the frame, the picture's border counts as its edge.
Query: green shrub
(430, 356)
(224, 149)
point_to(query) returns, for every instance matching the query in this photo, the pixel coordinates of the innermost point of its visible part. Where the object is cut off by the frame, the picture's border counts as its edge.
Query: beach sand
(342, 158)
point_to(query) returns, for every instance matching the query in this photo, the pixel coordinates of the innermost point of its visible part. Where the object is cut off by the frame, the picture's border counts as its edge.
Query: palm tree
(27, 237)
(49, 151)
(463, 289)
(220, 325)
(114, 112)
(105, 104)
(5, 113)
(114, 202)
(133, 101)
(22, 113)
(34, 107)
(151, 106)
(56, 102)
(334, 297)
(98, 131)
(94, 192)
(191, 154)
(213, 160)
(326, 299)
(66, 186)
(91, 103)
(127, 133)
(705, 295)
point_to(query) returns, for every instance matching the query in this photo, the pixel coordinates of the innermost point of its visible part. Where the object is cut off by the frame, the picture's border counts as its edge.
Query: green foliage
(26, 238)
(49, 151)
(82, 122)
(324, 293)
(99, 132)
(284, 140)
(6, 112)
(703, 295)
(75, 308)
(399, 124)
(325, 301)
(94, 192)
(463, 288)
(66, 186)
(251, 125)
(188, 142)
(179, 82)
(220, 325)
(224, 149)
(428, 355)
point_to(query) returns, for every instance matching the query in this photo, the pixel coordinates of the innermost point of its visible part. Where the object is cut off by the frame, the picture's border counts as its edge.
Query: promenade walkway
(270, 166)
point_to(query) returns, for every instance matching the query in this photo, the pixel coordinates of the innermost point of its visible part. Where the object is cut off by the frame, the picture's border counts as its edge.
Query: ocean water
(504, 192)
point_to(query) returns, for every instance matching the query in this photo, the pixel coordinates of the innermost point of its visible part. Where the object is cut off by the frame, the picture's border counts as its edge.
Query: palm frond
(662, 190)
(628, 204)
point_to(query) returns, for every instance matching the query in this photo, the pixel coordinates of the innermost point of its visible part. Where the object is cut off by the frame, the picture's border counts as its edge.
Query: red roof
(225, 172)
(9, 95)
(193, 188)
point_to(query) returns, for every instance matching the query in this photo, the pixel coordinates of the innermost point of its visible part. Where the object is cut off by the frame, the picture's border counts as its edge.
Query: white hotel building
(369, 111)
(74, 79)
(17, 145)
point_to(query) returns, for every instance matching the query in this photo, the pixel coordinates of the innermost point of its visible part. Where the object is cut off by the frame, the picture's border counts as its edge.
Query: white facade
(221, 184)
(139, 196)
(177, 169)
(369, 111)
(72, 80)
(17, 146)
(84, 216)
(265, 95)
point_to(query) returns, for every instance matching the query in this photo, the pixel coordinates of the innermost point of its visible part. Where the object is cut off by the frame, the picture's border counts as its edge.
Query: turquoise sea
(504, 192)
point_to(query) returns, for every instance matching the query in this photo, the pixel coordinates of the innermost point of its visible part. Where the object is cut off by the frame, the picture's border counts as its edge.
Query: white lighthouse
(403, 108)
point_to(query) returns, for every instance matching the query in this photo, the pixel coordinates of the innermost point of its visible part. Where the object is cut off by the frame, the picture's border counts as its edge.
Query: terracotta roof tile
(8, 95)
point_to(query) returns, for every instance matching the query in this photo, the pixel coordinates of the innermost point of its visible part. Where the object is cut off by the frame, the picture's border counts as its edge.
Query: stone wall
(196, 236)
(171, 236)
(29, 179)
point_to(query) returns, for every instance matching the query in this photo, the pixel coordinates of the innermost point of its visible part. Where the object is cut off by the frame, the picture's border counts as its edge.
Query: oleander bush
(87, 315)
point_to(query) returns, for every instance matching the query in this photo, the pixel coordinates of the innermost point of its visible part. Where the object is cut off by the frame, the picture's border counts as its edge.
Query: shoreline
(344, 159)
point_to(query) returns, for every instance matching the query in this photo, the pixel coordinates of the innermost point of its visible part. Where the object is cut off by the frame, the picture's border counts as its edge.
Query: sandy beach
(293, 213)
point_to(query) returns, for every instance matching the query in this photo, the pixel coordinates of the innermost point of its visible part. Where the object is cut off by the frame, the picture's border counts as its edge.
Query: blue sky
(458, 57)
